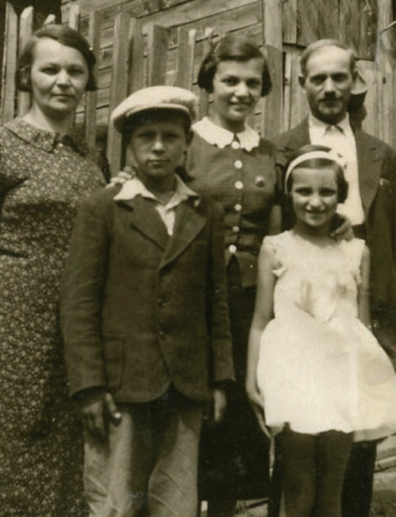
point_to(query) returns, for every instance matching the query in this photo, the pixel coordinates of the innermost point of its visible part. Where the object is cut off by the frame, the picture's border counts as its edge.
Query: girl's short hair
(319, 163)
(232, 48)
(63, 35)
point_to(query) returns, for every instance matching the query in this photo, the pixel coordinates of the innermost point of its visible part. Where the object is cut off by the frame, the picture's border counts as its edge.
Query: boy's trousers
(148, 465)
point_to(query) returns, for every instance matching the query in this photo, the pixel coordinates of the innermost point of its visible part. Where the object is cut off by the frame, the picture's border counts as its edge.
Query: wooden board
(9, 65)
(289, 21)
(328, 24)
(185, 58)
(350, 24)
(369, 13)
(92, 97)
(272, 106)
(307, 21)
(25, 31)
(157, 50)
(272, 23)
(369, 72)
(118, 91)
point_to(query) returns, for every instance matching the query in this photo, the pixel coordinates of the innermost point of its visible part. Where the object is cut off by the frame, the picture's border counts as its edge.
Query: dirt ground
(384, 500)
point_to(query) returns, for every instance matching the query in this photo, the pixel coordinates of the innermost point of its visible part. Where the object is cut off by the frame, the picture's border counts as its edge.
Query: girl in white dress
(314, 369)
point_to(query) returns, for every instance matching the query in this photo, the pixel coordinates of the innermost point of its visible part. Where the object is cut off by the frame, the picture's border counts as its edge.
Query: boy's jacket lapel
(189, 222)
(146, 219)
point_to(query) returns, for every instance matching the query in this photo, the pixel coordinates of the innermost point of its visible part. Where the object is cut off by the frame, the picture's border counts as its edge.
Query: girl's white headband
(312, 155)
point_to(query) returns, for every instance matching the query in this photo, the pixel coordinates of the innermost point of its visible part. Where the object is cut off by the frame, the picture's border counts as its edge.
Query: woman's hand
(343, 230)
(126, 174)
(96, 408)
(219, 400)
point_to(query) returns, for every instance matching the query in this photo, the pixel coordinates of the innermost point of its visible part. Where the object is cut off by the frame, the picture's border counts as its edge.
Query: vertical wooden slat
(385, 74)
(298, 101)
(328, 23)
(386, 66)
(9, 65)
(25, 31)
(136, 72)
(287, 91)
(307, 21)
(289, 20)
(74, 16)
(185, 58)
(368, 28)
(272, 23)
(203, 95)
(349, 24)
(119, 86)
(272, 37)
(368, 70)
(91, 97)
(157, 50)
(273, 103)
(136, 76)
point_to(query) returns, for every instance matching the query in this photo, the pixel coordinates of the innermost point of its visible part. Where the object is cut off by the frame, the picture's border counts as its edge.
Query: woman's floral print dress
(42, 179)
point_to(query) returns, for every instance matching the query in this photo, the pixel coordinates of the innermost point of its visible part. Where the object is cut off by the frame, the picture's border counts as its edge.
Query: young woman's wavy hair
(232, 48)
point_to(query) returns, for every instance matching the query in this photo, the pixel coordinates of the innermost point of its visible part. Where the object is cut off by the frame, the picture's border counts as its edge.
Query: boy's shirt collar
(135, 187)
(216, 135)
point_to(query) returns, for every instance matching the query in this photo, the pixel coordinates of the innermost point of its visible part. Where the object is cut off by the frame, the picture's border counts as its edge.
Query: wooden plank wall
(153, 42)
(282, 27)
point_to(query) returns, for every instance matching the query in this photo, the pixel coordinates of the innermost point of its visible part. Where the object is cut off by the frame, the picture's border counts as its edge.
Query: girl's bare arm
(263, 314)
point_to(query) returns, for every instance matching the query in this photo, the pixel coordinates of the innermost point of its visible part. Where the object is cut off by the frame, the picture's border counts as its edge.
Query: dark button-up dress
(235, 454)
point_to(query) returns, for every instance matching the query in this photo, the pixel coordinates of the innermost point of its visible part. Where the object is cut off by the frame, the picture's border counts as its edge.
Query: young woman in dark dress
(230, 162)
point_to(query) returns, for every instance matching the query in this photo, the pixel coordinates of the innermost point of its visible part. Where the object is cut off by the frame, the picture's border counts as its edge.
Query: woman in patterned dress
(230, 162)
(45, 169)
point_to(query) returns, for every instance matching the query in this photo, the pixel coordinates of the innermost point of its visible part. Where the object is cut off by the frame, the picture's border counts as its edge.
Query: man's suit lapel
(369, 167)
(296, 138)
(189, 222)
(146, 220)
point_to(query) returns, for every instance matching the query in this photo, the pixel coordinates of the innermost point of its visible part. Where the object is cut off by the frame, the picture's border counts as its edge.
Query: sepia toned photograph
(197, 258)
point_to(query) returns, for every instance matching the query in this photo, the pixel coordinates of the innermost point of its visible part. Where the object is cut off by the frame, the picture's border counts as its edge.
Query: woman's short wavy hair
(63, 35)
(232, 48)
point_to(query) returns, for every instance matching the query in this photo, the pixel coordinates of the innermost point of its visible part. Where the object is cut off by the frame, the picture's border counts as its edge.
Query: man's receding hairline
(349, 54)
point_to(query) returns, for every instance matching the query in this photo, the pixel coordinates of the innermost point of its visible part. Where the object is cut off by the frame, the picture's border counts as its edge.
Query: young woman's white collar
(216, 135)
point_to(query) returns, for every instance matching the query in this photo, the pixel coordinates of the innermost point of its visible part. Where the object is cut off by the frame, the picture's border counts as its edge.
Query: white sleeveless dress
(319, 367)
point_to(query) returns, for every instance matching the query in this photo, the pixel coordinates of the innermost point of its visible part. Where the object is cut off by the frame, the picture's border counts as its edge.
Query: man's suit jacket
(141, 310)
(377, 182)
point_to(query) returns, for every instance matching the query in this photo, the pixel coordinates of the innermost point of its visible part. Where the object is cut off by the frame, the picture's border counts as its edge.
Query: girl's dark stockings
(313, 472)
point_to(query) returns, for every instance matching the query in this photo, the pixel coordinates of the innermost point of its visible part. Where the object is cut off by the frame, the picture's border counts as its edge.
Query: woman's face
(59, 75)
(236, 91)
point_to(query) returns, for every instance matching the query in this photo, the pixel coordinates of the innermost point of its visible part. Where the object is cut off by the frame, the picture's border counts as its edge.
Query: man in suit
(328, 78)
(145, 319)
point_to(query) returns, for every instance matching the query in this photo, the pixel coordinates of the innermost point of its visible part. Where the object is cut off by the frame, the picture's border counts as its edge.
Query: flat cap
(155, 97)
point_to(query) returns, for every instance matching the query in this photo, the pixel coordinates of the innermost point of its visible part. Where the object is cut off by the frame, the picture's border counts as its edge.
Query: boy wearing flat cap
(145, 319)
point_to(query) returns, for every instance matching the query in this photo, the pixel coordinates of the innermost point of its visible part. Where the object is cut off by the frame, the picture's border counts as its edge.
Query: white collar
(216, 135)
(319, 125)
(135, 187)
